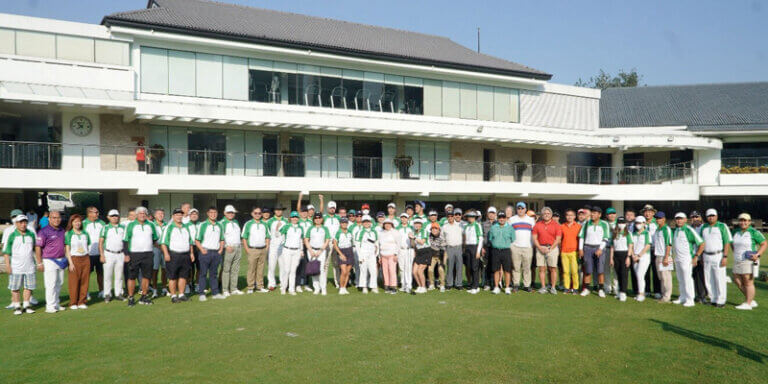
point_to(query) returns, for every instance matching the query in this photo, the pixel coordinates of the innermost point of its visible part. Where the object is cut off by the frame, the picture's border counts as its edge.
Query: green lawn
(432, 338)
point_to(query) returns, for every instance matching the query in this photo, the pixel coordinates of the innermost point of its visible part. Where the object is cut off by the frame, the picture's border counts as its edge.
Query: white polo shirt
(523, 229)
(177, 238)
(113, 237)
(210, 235)
(473, 233)
(293, 236)
(231, 232)
(21, 248)
(78, 242)
(344, 239)
(140, 237)
(368, 240)
(715, 237)
(93, 228)
(317, 236)
(255, 233)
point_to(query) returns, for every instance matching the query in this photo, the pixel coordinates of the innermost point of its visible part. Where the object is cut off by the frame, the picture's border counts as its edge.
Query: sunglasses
(457, 214)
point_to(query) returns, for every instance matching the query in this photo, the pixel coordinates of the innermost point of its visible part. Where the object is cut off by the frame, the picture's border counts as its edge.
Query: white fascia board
(322, 58)
(40, 24)
(572, 90)
(678, 129)
(736, 191)
(65, 101)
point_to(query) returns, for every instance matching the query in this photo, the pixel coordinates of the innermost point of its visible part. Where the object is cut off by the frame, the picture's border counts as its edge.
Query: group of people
(504, 250)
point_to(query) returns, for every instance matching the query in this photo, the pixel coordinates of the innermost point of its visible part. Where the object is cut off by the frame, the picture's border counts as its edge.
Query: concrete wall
(123, 136)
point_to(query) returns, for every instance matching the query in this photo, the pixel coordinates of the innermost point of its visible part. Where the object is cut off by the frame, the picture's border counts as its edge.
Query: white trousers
(641, 267)
(289, 261)
(611, 283)
(320, 282)
(405, 265)
(54, 278)
(368, 270)
(113, 269)
(273, 257)
(715, 279)
(684, 278)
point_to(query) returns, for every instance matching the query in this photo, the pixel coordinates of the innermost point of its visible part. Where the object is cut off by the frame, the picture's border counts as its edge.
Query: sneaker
(298, 289)
(365, 291)
(250, 291)
(601, 293)
(719, 305)
(154, 292)
(183, 298)
(507, 291)
(82, 306)
(315, 292)
(264, 290)
(10, 306)
(496, 291)
(473, 291)
(375, 290)
(744, 307)
(29, 310)
(107, 298)
(49, 310)
(88, 297)
(73, 307)
(585, 292)
(202, 298)
(552, 290)
(131, 302)
(238, 292)
(622, 297)
(640, 298)
(753, 303)
(528, 289)
(678, 301)
(174, 300)
(225, 294)
(165, 292)
(292, 293)
(218, 296)
(343, 291)
(689, 304)
(146, 300)
(487, 288)
(442, 289)
(431, 288)
(657, 296)
(33, 301)
(17, 311)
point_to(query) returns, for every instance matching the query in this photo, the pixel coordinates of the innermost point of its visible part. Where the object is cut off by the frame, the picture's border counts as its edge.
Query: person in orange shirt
(570, 252)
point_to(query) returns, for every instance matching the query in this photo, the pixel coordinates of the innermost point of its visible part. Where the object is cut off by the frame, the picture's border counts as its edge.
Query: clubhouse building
(245, 106)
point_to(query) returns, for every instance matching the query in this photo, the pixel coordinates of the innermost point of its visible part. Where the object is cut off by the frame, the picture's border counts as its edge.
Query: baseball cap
(351, 212)
(408, 206)
(621, 220)
(457, 211)
(343, 220)
(358, 214)
(318, 215)
(587, 207)
(423, 204)
(610, 210)
(581, 210)
(380, 214)
(175, 211)
(449, 207)
(695, 214)
(596, 209)
(432, 213)
(680, 215)
(293, 213)
(501, 214)
(388, 221)
(648, 207)
(391, 205)
(114, 212)
(16, 212)
(331, 204)
(491, 209)
(521, 204)
(640, 219)
(660, 215)
(711, 212)
(230, 209)
(365, 206)
(190, 211)
(21, 217)
(266, 210)
(434, 225)
(418, 220)
(404, 215)
(745, 216)
(366, 218)
(310, 206)
(555, 214)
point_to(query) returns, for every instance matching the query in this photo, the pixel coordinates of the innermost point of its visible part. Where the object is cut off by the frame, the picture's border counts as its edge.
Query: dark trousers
(620, 266)
(472, 264)
(634, 279)
(209, 265)
(487, 271)
(652, 276)
(301, 274)
(698, 281)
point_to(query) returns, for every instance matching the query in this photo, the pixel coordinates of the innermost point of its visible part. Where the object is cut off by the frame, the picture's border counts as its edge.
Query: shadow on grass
(714, 341)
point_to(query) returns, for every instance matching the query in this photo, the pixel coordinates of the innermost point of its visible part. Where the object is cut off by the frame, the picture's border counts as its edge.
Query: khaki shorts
(549, 260)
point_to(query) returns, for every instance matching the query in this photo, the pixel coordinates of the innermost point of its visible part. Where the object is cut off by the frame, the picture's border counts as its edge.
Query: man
(140, 236)
(489, 221)
(6, 233)
(612, 283)
(436, 263)
(301, 277)
(569, 252)
(405, 254)
(593, 238)
(501, 237)
(230, 267)
(316, 241)
(50, 248)
(256, 239)
(193, 225)
(652, 276)
(92, 225)
(454, 239)
(687, 246)
(185, 209)
(699, 285)
(131, 217)
(292, 236)
(473, 246)
(522, 249)
(158, 261)
(409, 211)
(177, 250)
(418, 211)
(448, 213)
(331, 221)
(717, 244)
(392, 212)
(585, 213)
(275, 224)
(662, 247)
(547, 236)
(210, 244)
(23, 262)
(266, 214)
(111, 250)
(367, 243)
(630, 214)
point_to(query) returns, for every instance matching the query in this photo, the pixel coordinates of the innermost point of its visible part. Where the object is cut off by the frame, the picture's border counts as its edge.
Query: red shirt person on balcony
(141, 156)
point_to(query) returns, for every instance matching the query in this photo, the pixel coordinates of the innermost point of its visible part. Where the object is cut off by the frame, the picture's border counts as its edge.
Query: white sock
(16, 304)
(26, 304)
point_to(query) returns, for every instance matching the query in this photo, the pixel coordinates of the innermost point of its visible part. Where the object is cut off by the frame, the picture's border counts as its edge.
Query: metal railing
(209, 162)
(757, 164)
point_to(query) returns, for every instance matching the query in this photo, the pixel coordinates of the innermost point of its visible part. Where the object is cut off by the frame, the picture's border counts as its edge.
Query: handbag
(312, 268)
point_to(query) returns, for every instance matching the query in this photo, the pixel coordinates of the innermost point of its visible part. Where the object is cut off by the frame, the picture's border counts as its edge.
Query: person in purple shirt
(50, 245)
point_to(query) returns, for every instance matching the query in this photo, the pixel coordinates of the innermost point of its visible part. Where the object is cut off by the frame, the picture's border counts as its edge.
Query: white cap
(418, 220)
(404, 215)
(331, 204)
(432, 213)
(366, 211)
(640, 219)
(448, 206)
(743, 216)
(310, 206)
(680, 215)
(367, 217)
(20, 218)
(391, 205)
(711, 212)
(193, 210)
(229, 208)
(113, 212)
(491, 209)
(388, 221)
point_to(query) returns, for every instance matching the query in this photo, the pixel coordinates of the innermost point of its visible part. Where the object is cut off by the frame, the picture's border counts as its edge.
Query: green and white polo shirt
(746, 240)
(715, 237)
(210, 234)
(685, 241)
(317, 236)
(21, 248)
(256, 233)
(93, 229)
(594, 234)
(140, 236)
(177, 238)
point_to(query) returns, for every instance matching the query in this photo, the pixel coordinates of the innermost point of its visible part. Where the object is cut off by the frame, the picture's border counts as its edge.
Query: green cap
(610, 210)
(16, 212)
(294, 214)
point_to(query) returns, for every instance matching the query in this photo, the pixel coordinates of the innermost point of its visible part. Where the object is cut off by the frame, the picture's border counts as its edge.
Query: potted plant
(403, 164)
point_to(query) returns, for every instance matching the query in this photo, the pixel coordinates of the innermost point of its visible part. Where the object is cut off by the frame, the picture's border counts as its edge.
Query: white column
(617, 162)
(707, 165)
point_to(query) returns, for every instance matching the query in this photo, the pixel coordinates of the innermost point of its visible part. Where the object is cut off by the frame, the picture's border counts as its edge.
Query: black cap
(318, 215)
(279, 207)
(266, 210)
(695, 214)
(501, 214)
(344, 220)
(380, 214)
(177, 210)
(589, 207)
(596, 209)
(407, 206)
(621, 220)
(555, 214)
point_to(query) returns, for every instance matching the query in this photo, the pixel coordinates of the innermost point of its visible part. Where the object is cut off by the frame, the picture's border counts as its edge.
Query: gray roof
(235, 22)
(702, 107)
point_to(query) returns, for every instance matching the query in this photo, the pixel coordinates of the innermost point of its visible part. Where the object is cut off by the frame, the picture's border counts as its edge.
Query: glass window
(271, 155)
(74, 48)
(154, 70)
(293, 161)
(366, 159)
(413, 100)
(333, 94)
(207, 153)
(30, 139)
(7, 41)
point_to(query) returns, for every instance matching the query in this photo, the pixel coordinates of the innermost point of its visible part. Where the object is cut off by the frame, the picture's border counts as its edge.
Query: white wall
(75, 154)
(544, 109)
(708, 165)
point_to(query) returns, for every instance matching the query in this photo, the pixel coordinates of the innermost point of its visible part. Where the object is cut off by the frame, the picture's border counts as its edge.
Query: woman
(748, 245)
(76, 243)
(389, 246)
(437, 243)
(343, 246)
(420, 241)
(641, 244)
(621, 252)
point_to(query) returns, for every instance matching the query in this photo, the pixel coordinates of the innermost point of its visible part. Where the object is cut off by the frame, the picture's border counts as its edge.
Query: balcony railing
(744, 165)
(206, 162)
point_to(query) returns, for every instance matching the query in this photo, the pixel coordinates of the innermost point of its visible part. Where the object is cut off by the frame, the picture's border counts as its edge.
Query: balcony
(744, 165)
(161, 161)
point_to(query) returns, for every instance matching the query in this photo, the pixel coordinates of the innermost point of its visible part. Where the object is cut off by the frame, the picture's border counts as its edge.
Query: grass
(433, 338)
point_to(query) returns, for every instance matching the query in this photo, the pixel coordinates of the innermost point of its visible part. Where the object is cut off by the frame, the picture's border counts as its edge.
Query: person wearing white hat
(448, 212)
(230, 266)
(22, 265)
(405, 254)
(717, 244)
(490, 219)
(367, 244)
(748, 245)
(473, 245)
(522, 247)
(454, 246)
(392, 212)
(331, 221)
(275, 250)
(641, 245)
(158, 261)
(687, 246)
(316, 241)
(111, 250)
(389, 247)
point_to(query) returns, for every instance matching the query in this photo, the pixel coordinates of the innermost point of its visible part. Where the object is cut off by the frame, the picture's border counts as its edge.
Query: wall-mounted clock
(81, 126)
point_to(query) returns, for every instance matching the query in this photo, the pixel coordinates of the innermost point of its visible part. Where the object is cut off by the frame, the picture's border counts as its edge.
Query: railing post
(82, 157)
